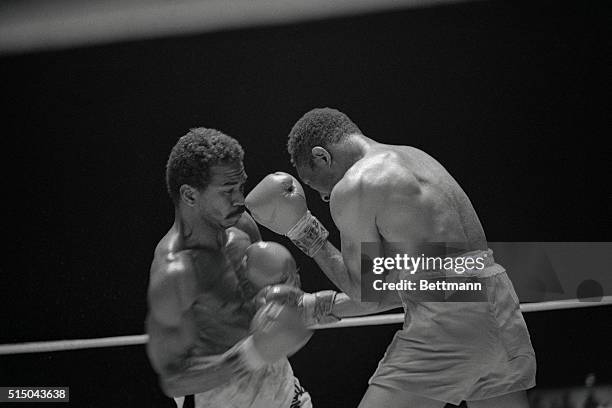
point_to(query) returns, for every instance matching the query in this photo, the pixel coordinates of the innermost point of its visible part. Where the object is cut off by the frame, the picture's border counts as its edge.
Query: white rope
(525, 307)
(77, 344)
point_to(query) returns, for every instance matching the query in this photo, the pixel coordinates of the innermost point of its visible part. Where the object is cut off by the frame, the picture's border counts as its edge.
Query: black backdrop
(510, 96)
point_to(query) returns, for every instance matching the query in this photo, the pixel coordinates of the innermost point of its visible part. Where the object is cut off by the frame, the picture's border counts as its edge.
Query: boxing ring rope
(78, 344)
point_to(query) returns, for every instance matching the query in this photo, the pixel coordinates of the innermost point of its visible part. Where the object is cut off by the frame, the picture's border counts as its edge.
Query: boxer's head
(205, 175)
(321, 149)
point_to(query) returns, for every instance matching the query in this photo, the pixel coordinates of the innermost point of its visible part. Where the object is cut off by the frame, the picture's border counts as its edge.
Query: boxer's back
(451, 212)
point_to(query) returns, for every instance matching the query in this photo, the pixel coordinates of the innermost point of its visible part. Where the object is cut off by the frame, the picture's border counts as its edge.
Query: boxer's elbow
(353, 290)
(185, 378)
(390, 300)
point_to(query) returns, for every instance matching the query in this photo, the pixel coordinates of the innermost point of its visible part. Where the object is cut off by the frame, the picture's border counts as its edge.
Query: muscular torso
(218, 315)
(417, 188)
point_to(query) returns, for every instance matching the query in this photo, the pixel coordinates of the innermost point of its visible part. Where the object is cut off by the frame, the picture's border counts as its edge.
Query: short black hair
(193, 155)
(318, 127)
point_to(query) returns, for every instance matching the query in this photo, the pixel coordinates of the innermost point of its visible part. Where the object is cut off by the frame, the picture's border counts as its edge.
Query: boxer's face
(319, 178)
(221, 203)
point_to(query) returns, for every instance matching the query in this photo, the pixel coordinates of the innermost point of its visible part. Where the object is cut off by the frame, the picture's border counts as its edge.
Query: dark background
(511, 97)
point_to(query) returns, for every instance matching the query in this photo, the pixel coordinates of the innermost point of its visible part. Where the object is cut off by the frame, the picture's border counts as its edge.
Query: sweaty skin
(198, 313)
(196, 306)
(401, 194)
(207, 337)
(402, 198)
(394, 194)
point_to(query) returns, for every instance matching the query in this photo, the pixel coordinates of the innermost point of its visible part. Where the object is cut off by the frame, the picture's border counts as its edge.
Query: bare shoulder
(248, 225)
(374, 180)
(169, 274)
(167, 270)
(188, 270)
(179, 278)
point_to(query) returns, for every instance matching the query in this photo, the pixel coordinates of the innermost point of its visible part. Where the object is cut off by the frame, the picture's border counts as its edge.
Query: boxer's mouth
(237, 212)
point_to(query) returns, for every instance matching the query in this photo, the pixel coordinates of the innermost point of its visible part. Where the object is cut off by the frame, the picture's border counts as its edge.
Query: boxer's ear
(187, 194)
(320, 156)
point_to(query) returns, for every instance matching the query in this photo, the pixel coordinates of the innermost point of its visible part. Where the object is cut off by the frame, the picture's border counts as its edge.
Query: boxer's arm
(171, 294)
(198, 374)
(379, 209)
(330, 261)
(276, 332)
(353, 207)
(344, 268)
(344, 306)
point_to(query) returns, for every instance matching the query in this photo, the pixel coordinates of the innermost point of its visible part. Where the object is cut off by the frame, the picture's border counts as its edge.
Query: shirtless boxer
(479, 352)
(206, 336)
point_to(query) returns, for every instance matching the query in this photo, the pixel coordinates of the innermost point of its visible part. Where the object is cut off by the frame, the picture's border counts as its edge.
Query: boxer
(401, 199)
(208, 341)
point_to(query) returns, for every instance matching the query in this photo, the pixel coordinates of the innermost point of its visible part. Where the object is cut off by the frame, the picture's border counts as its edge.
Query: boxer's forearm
(203, 373)
(200, 377)
(346, 307)
(332, 264)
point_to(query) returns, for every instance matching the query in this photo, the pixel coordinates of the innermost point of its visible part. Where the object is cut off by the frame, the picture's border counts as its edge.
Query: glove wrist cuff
(325, 302)
(308, 234)
(317, 306)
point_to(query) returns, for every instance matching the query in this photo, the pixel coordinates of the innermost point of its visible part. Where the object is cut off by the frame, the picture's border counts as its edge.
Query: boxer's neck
(352, 149)
(196, 233)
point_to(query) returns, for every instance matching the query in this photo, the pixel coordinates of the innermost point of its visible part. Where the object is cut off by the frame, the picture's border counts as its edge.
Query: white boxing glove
(279, 204)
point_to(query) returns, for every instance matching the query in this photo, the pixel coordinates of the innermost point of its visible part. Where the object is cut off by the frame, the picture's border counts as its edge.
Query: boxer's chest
(221, 322)
(221, 313)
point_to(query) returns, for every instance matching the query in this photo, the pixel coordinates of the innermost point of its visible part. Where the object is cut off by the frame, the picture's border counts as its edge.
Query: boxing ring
(395, 318)
(26, 30)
